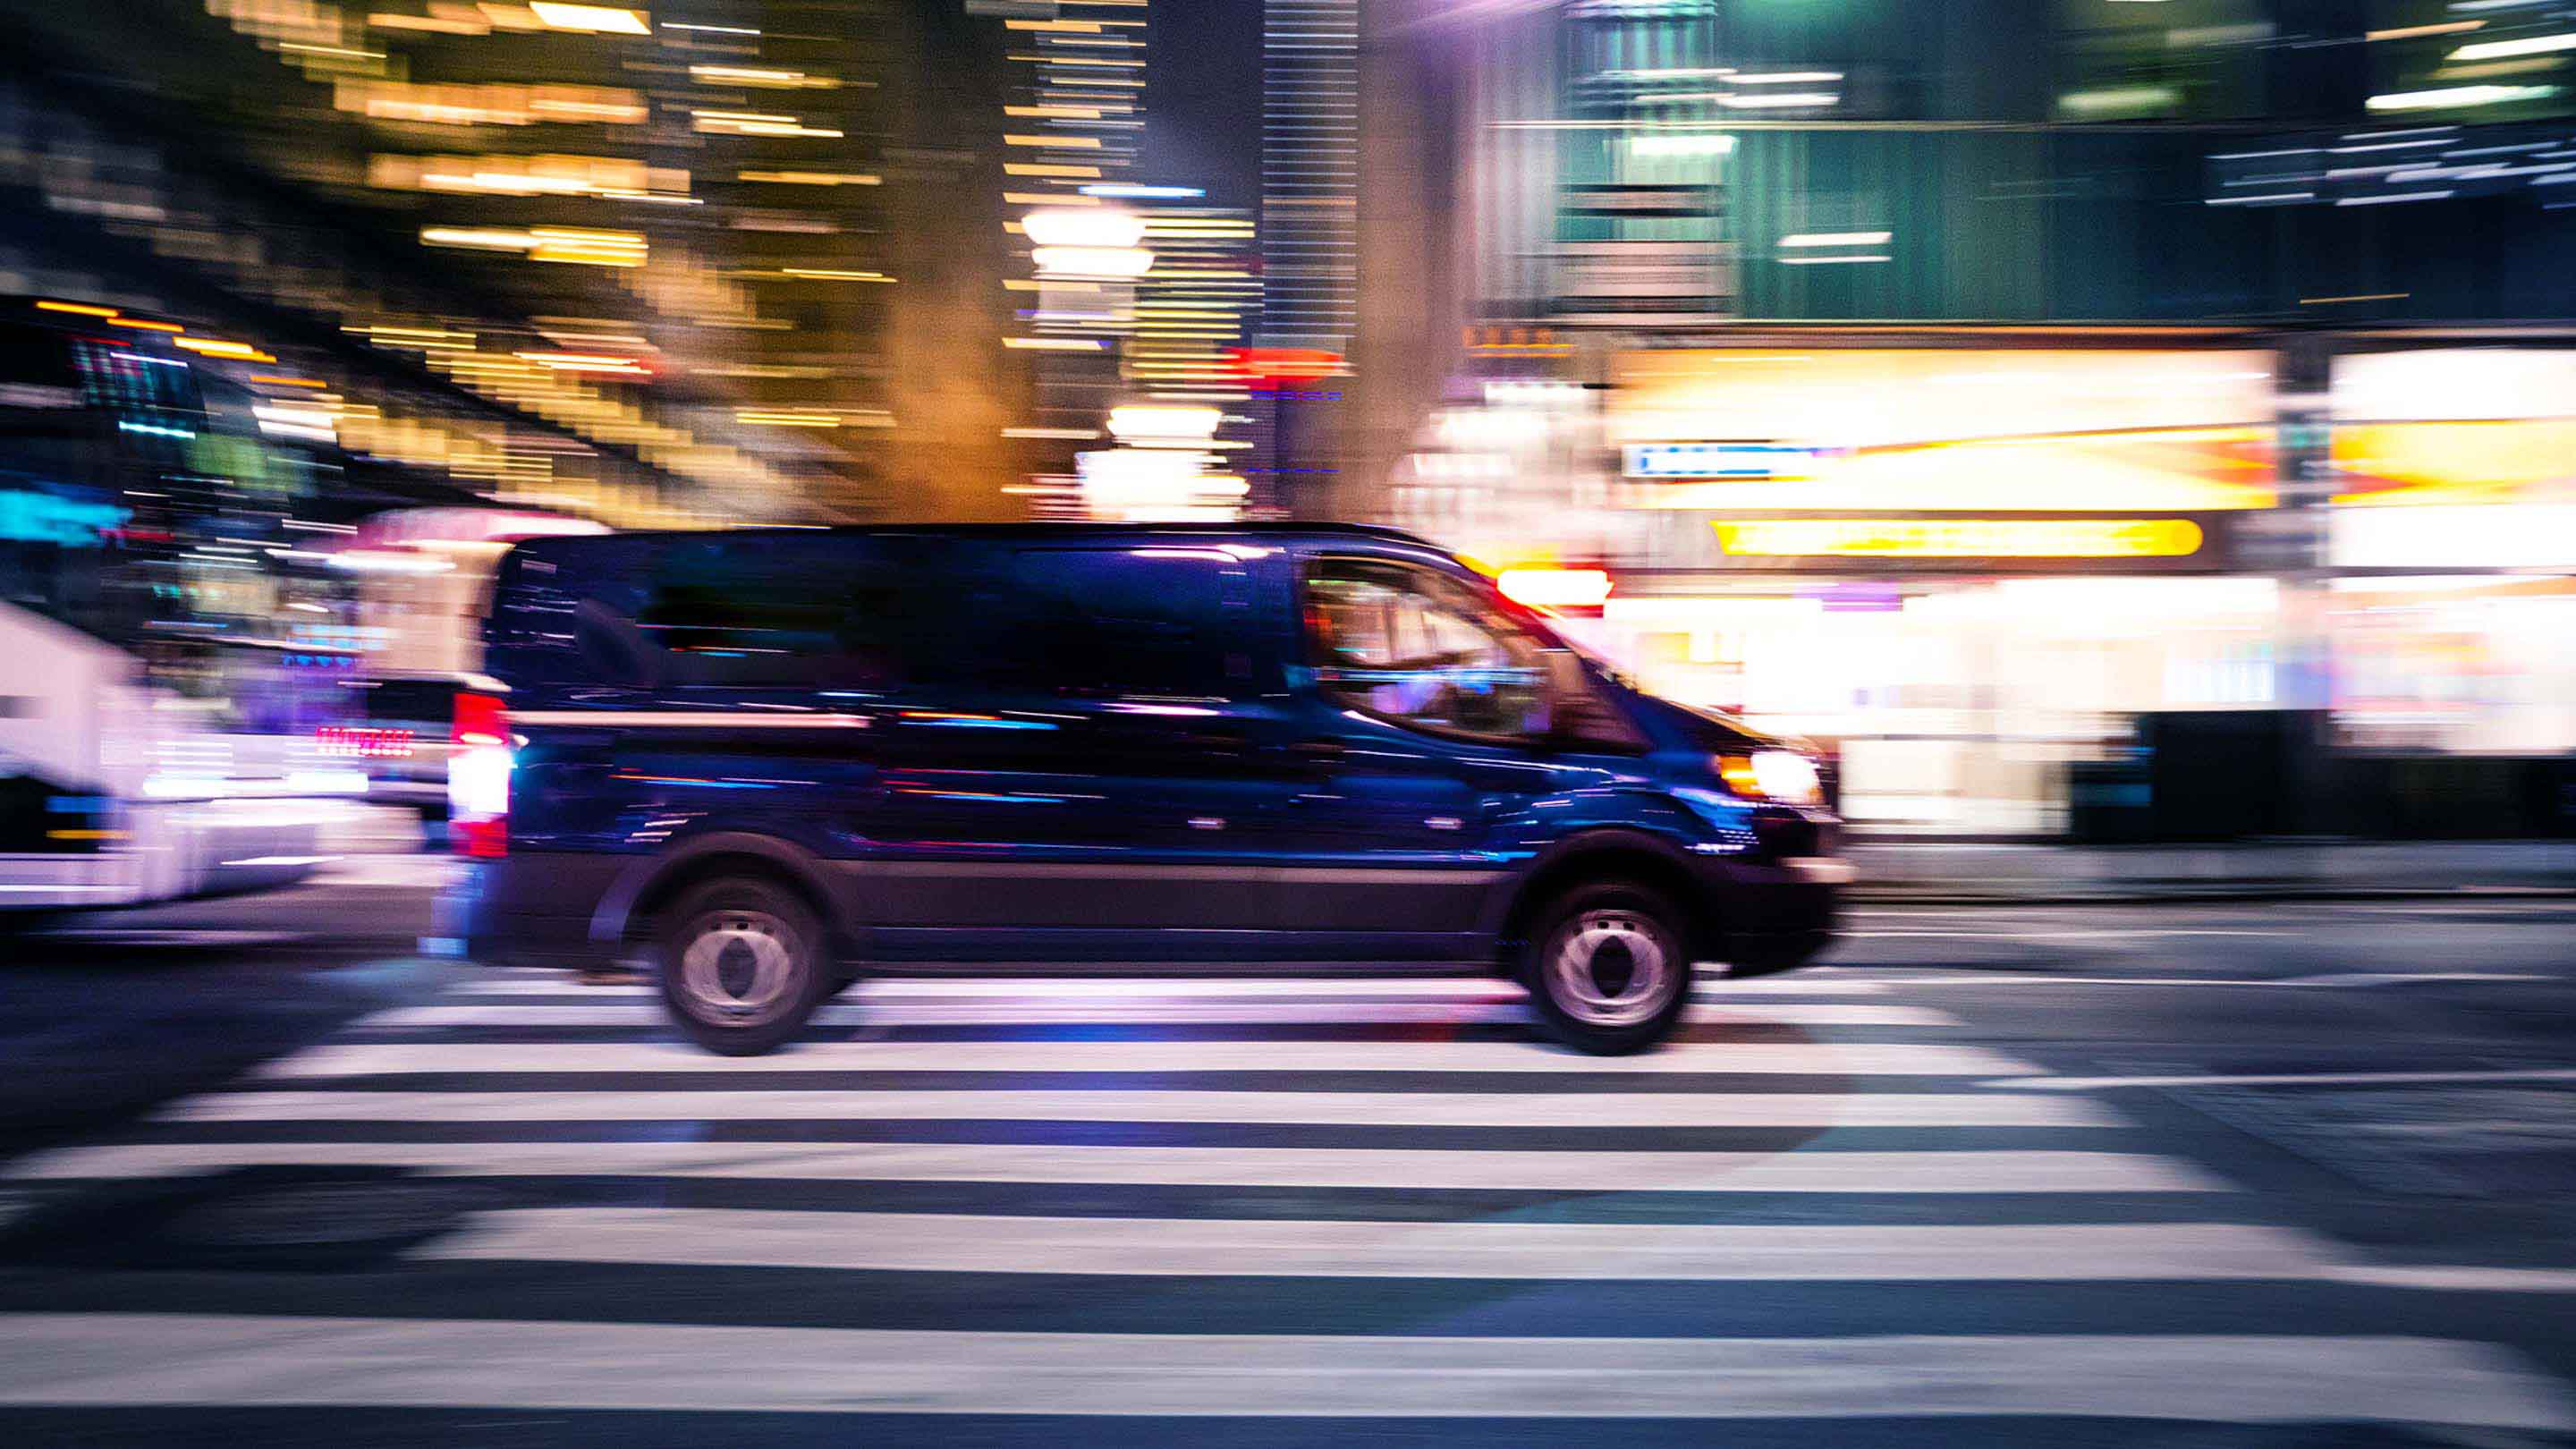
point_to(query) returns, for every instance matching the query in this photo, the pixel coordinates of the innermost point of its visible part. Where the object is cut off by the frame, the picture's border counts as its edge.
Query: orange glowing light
(218, 347)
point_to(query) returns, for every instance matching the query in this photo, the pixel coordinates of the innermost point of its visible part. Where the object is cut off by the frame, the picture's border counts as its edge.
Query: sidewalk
(1970, 871)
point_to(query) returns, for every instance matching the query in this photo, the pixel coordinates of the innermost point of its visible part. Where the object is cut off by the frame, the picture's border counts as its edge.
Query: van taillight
(478, 777)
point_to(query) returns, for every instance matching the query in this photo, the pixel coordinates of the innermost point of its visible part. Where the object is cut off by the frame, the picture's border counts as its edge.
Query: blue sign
(45, 518)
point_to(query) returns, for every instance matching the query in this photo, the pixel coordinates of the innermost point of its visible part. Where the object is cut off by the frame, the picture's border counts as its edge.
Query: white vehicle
(113, 793)
(159, 692)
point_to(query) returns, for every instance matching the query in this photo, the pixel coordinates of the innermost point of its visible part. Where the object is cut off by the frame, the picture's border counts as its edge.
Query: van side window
(758, 610)
(1096, 621)
(1424, 649)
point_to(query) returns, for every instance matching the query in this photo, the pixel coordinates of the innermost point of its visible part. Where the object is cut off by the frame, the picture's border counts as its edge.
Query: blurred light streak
(1102, 227)
(1838, 239)
(1786, 101)
(218, 347)
(443, 24)
(590, 19)
(2119, 99)
(2446, 97)
(1094, 261)
(488, 105)
(761, 76)
(2524, 45)
(1555, 588)
(2409, 32)
(757, 123)
(1690, 145)
(811, 178)
(588, 362)
(546, 244)
(1133, 422)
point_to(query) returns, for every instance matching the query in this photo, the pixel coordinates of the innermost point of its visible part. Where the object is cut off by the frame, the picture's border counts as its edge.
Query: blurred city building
(2020, 396)
(647, 266)
(1309, 171)
(309, 308)
(1310, 176)
(1141, 297)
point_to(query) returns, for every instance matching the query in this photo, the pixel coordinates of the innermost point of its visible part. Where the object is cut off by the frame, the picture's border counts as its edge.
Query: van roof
(552, 543)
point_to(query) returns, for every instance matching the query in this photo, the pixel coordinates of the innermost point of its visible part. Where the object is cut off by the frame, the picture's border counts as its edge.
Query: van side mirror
(1580, 714)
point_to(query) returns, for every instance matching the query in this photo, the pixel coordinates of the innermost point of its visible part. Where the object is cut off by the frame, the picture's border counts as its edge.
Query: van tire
(742, 964)
(1609, 968)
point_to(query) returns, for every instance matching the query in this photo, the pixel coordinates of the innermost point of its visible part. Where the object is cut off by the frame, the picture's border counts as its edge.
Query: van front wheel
(1608, 969)
(742, 965)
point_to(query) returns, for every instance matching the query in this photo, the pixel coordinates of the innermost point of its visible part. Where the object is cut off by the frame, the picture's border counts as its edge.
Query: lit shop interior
(1968, 570)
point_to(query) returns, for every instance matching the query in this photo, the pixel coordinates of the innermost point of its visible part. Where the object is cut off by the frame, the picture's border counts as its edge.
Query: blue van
(776, 759)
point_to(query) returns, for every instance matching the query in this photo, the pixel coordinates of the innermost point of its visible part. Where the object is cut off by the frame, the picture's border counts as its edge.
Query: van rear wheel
(742, 965)
(1608, 969)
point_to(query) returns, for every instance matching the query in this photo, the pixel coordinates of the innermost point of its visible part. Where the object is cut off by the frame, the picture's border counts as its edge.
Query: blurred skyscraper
(1309, 171)
(721, 259)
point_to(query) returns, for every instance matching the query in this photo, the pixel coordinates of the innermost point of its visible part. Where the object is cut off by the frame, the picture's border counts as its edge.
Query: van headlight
(1781, 775)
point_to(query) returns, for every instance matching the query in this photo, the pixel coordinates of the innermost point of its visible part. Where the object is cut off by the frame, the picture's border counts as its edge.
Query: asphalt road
(2295, 1174)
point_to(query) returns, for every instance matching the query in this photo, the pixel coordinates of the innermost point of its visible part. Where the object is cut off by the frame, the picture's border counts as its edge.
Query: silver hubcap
(739, 967)
(1610, 968)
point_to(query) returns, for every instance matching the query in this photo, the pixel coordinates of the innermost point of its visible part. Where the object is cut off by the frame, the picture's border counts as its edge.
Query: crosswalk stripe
(937, 1242)
(1142, 1013)
(1420, 1109)
(248, 1360)
(1151, 988)
(1965, 1171)
(1756, 1058)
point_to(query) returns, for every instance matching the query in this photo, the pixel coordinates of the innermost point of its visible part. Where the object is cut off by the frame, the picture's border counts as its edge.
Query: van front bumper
(1774, 916)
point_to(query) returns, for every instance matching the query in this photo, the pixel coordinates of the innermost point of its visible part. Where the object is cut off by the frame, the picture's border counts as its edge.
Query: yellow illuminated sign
(1961, 538)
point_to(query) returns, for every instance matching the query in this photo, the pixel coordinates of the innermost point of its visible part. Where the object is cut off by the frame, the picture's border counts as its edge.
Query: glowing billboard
(1960, 538)
(1936, 430)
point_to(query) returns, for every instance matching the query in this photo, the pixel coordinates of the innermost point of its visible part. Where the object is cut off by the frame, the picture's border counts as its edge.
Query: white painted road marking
(1758, 1058)
(1039, 1011)
(2282, 1079)
(1709, 986)
(249, 1360)
(1411, 1109)
(1186, 1247)
(1823, 1172)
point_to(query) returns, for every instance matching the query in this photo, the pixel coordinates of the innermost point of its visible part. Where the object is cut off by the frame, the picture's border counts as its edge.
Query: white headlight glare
(1788, 777)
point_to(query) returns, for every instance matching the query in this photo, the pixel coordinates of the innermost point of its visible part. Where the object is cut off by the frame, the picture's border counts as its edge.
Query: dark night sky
(1203, 99)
